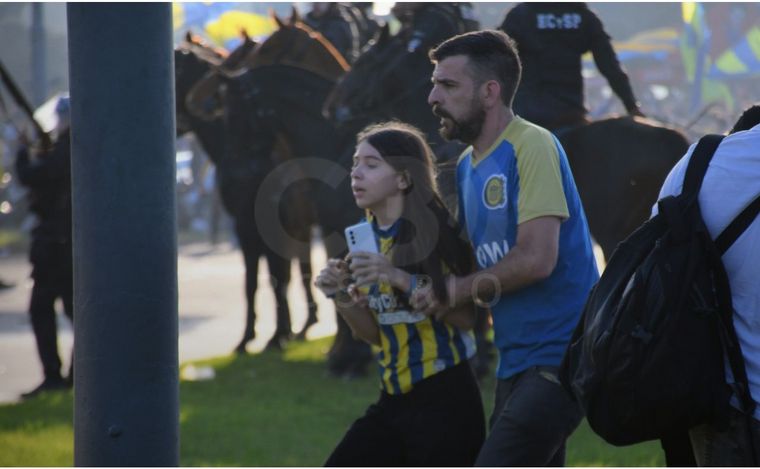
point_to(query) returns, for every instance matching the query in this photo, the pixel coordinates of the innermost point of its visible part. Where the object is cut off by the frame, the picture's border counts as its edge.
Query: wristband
(412, 286)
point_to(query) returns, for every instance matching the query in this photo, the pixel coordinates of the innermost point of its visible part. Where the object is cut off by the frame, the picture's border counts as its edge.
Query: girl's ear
(404, 180)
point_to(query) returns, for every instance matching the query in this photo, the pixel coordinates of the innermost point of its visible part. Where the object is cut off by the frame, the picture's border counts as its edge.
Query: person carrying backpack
(666, 345)
(731, 183)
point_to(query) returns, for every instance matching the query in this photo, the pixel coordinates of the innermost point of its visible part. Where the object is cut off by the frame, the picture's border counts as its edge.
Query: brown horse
(619, 165)
(282, 92)
(193, 58)
(296, 44)
(237, 179)
(204, 99)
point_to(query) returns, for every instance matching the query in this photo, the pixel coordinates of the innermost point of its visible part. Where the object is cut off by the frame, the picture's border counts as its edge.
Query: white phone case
(361, 238)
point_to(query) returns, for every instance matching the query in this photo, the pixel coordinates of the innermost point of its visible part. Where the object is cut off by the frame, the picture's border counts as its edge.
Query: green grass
(263, 410)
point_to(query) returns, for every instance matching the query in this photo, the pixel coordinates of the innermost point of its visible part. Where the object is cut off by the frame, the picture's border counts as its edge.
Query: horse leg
(279, 276)
(251, 254)
(304, 261)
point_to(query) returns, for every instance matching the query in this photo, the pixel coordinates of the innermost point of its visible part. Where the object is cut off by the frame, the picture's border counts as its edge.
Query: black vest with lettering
(551, 38)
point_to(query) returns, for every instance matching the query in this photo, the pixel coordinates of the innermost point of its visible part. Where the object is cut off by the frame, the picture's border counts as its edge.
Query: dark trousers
(439, 423)
(736, 445)
(46, 290)
(533, 417)
(678, 450)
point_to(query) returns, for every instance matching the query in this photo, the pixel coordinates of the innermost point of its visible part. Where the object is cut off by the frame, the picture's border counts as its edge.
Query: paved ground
(211, 312)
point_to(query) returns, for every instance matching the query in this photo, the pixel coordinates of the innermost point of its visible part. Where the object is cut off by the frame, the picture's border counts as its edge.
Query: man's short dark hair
(749, 118)
(493, 56)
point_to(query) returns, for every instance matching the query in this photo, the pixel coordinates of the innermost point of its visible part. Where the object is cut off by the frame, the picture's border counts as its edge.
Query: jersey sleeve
(541, 190)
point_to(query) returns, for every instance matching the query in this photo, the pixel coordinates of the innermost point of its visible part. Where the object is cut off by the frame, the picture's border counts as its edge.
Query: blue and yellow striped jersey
(413, 346)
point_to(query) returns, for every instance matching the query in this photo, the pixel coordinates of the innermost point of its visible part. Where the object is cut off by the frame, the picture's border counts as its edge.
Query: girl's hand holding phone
(334, 277)
(368, 268)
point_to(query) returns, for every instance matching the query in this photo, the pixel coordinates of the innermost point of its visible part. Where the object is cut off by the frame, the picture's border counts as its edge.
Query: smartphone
(361, 238)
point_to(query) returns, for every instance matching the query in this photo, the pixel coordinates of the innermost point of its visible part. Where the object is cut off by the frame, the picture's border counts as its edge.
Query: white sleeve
(673, 184)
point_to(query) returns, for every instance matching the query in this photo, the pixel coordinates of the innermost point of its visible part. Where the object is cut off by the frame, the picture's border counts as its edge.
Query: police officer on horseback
(340, 24)
(425, 25)
(368, 26)
(551, 38)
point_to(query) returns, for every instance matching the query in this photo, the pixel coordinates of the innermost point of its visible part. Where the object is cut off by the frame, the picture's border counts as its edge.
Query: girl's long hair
(428, 236)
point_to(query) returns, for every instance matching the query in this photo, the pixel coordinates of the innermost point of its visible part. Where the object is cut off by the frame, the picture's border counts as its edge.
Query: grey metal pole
(126, 399)
(39, 55)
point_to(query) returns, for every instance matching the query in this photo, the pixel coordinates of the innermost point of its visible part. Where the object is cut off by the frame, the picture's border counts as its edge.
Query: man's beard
(466, 129)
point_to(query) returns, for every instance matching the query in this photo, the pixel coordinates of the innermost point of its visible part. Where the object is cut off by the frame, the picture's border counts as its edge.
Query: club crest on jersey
(495, 192)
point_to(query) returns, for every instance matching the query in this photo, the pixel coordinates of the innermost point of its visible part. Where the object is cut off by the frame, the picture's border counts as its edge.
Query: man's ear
(491, 93)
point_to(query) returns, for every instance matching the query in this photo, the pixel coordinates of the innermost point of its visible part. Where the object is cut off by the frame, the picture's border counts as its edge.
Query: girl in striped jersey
(429, 412)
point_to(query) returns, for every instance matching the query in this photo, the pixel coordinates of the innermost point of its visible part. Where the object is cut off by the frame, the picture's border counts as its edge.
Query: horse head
(296, 44)
(271, 85)
(205, 99)
(241, 54)
(193, 59)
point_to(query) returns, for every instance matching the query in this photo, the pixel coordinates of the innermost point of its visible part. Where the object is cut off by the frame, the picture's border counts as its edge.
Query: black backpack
(646, 359)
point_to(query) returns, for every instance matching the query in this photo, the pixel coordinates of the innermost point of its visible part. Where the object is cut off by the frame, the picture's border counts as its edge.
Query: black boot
(49, 384)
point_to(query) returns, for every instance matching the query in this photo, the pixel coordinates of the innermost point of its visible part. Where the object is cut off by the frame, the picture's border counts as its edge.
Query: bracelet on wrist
(413, 284)
(343, 291)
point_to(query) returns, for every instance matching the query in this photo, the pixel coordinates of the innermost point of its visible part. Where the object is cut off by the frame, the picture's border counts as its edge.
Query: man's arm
(608, 65)
(532, 259)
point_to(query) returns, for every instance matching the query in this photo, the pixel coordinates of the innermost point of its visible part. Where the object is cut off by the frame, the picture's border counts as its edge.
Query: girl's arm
(332, 280)
(359, 318)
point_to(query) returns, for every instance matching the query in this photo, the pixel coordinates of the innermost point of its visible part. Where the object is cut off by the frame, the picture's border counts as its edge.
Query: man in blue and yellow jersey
(520, 207)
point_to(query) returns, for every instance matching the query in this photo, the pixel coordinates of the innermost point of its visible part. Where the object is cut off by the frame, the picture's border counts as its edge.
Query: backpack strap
(695, 173)
(700, 160)
(732, 232)
(672, 208)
